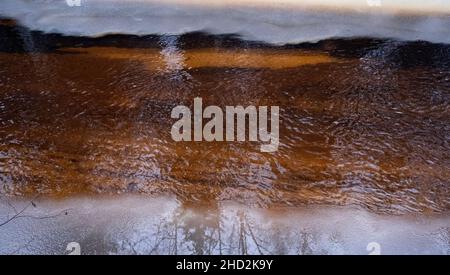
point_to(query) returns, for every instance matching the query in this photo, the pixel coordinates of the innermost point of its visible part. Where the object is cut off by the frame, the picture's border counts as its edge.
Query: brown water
(363, 122)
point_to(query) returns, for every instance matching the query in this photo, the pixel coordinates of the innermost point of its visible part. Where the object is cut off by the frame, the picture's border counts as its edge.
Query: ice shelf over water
(272, 21)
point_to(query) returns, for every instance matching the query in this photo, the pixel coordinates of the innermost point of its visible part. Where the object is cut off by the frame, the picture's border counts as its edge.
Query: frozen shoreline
(143, 225)
(260, 20)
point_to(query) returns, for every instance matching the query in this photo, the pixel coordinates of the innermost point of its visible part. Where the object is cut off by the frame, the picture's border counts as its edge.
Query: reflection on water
(363, 122)
(138, 225)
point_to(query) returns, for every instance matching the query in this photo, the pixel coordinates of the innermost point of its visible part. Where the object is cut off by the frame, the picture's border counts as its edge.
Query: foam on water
(279, 22)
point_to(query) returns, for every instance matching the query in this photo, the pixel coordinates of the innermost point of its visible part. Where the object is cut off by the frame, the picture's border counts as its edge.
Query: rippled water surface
(363, 122)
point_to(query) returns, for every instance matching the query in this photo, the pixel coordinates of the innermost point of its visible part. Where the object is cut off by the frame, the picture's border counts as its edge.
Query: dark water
(363, 122)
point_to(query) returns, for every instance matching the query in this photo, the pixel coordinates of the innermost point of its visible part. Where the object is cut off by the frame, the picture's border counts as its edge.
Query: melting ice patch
(278, 22)
(143, 225)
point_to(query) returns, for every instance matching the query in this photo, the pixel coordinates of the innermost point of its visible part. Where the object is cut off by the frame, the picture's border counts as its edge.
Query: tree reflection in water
(142, 225)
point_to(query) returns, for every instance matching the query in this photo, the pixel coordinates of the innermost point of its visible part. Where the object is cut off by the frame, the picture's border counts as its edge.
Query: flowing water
(364, 124)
